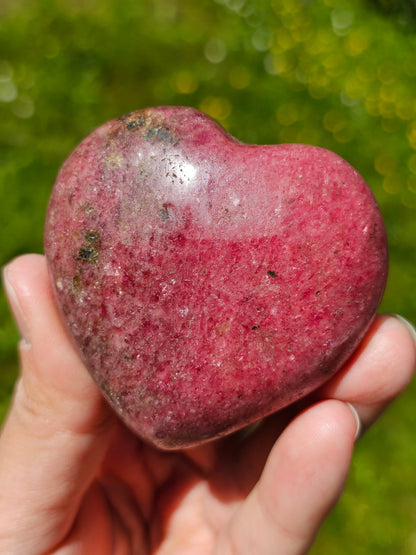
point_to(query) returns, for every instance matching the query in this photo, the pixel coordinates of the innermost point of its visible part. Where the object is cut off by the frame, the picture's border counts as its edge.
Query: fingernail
(408, 325)
(359, 426)
(16, 308)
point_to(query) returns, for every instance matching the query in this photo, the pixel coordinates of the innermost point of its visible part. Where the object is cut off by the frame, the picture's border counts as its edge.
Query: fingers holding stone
(301, 481)
(379, 371)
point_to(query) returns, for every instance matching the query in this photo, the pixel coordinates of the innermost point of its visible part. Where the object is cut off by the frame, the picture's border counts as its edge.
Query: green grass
(337, 73)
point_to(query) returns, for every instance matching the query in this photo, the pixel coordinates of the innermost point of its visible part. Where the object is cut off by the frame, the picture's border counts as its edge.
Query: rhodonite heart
(208, 283)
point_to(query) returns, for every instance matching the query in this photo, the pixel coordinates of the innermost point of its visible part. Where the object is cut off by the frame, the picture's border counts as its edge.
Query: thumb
(58, 427)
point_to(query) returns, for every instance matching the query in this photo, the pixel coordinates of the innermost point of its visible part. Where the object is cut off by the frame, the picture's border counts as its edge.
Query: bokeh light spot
(356, 42)
(411, 134)
(392, 184)
(334, 121)
(8, 91)
(24, 107)
(217, 107)
(186, 82)
(387, 72)
(261, 39)
(411, 183)
(287, 114)
(6, 71)
(385, 164)
(215, 51)
(344, 135)
(342, 18)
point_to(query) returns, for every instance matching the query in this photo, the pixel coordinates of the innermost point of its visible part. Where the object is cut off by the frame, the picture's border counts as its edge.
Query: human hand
(74, 480)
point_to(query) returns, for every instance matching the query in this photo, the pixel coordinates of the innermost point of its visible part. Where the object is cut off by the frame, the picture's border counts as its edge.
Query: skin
(73, 480)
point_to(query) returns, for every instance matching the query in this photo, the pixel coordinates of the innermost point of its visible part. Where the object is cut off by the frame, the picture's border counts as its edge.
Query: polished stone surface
(208, 283)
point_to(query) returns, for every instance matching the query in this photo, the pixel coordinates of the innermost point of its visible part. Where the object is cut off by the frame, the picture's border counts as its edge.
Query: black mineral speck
(89, 251)
(133, 120)
(92, 238)
(159, 133)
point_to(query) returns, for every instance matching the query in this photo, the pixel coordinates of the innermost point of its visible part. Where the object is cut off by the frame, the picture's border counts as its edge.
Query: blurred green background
(336, 73)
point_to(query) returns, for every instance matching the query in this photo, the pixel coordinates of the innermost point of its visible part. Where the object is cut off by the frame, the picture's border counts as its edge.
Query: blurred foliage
(403, 10)
(336, 73)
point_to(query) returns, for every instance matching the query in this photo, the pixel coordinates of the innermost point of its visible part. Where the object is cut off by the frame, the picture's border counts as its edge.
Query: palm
(172, 502)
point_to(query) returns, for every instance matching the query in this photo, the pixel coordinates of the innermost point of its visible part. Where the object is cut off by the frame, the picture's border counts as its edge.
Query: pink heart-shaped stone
(208, 283)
